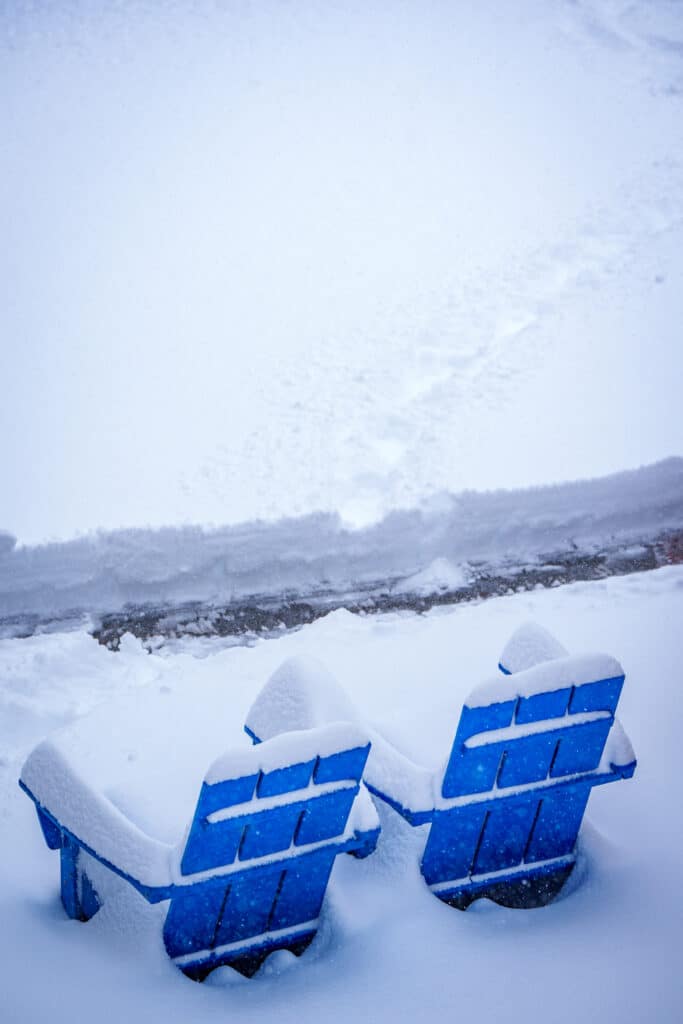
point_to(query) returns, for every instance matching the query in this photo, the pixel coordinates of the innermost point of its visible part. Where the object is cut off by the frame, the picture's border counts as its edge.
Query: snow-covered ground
(266, 260)
(387, 949)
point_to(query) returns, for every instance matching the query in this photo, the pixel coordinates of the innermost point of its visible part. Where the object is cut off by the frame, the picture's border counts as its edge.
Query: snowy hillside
(276, 259)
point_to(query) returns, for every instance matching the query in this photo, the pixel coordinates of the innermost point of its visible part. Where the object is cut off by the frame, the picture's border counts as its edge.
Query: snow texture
(301, 694)
(528, 646)
(439, 575)
(618, 748)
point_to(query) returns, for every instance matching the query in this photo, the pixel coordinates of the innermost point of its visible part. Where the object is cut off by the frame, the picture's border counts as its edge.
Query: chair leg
(79, 897)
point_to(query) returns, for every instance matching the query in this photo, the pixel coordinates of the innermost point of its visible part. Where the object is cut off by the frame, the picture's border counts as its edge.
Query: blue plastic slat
(580, 748)
(68, 859)
(227, 793)
(602, 695)
(249, 905)
(452, 843)
(506, 834)
(558, 822)
(79, 898)
(347, 764)
(541, 706)
(527, 759)
(285, 780)
(90, 901)
(270, 831)
(472, 769)
(365, 842)
(211, 846)
(482, 719)
(194, 915)
(325, 816)
(302, 889)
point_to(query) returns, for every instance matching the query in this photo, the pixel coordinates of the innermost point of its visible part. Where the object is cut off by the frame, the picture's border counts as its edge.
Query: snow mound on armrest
(92, 818)
(391, 774)
(618, 749)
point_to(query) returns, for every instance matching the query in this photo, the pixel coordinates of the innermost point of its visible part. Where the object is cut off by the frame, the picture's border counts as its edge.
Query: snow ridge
(104, 572)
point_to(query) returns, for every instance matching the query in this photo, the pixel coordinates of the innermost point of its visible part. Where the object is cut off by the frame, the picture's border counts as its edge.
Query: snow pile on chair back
(529, 645)
(300, 694)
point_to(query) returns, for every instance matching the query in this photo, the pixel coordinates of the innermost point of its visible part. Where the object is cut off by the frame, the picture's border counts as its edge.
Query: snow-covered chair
(505, 812)
(249, 874)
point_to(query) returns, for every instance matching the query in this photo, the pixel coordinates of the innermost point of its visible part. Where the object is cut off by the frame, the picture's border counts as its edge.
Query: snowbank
(408, 550)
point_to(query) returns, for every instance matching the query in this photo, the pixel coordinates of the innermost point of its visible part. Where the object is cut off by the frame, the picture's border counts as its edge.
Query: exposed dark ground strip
(272, 614)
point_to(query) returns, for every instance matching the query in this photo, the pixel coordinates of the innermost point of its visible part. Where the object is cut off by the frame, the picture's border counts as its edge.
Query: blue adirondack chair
(506, 813)
(251, 874)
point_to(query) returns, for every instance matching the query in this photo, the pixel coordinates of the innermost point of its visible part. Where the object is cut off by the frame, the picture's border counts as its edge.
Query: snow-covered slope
(387, 950)
(261, 261)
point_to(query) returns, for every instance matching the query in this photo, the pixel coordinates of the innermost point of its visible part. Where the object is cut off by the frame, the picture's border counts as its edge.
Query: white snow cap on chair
(300, 694)
(530, 645)
(576, 670)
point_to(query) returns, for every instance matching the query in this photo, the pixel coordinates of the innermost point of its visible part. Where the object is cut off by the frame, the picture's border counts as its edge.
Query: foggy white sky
(264, 259)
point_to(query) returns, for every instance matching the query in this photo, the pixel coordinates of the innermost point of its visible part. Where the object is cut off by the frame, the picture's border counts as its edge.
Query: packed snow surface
(387, 949)
(265, 260)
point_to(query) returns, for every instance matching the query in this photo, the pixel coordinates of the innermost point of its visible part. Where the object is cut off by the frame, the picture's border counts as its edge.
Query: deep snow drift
(387, 949)
(267, 260)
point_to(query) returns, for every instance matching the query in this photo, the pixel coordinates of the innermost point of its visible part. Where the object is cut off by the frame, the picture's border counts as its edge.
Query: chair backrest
(549, 721)
(268, 824)
(527, 750)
